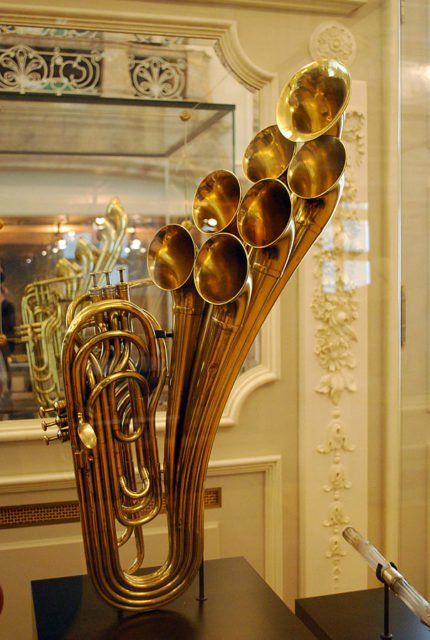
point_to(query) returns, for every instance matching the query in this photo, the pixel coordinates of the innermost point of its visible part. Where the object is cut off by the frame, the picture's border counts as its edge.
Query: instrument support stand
(386, 635)
(201, 597)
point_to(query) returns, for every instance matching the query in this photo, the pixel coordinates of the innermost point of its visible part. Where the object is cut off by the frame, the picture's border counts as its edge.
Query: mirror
(104, 139)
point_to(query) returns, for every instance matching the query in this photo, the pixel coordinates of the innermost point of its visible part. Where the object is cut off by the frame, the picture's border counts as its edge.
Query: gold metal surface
(114, 360)
(171, 256)
(313, 101)
(216, 201)
(267, 155)
(317, 167)
(221, 269)
(265, 213)
(44, 303)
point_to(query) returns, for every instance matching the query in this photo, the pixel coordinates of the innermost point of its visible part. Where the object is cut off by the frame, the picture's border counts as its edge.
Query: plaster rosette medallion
(333, 40)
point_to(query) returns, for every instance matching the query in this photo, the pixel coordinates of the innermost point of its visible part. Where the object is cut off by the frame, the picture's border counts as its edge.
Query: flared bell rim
(282, 160)
(333, 158)
(238, 265)
(188, 257)
(281, 227)
(233, 205)
(329, 68)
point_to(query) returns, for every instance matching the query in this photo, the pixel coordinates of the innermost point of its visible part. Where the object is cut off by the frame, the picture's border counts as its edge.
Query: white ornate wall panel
(334, 398)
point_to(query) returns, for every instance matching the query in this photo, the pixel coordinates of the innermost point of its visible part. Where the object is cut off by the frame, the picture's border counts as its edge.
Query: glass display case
(69, 147)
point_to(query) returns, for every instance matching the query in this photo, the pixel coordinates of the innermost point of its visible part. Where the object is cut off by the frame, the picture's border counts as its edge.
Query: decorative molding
(224, 32)
(49, 32)
(333, 40)
(335, 308)
(337, 7)
(158, 77)
(46, 513)
(25, 69)
(34, 15)
(354, 135)
(333, 440)
(332, 7)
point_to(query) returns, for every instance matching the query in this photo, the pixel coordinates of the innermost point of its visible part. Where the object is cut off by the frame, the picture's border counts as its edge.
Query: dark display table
(358, 616)
(239, 606)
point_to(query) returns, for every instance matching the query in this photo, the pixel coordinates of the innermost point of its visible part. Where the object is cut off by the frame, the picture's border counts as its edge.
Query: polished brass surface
(171, 256)
(267, 155)
(216, 201)
(313, 101)
(222, 254)
(114, 363)
(264, 214)
(317, 167)
(44, 303)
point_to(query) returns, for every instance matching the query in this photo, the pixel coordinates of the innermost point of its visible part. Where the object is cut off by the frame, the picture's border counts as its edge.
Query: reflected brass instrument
(114, 358)
(44, 303)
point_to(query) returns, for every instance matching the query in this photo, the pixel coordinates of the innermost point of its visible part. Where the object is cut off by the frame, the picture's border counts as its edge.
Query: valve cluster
(60, 421)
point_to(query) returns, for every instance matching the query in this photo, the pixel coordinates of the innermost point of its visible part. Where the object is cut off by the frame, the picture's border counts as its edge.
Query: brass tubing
(280, 228)
(222, 276)
(138, 586)
(200, 423)
(212, 411)
(171, 257)
(312, 217)
(176, 575)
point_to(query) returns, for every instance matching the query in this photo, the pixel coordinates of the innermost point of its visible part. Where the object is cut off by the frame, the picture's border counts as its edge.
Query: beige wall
(415, 278)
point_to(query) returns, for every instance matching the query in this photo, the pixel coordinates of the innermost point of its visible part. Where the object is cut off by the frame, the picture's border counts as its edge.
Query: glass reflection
(72, 142)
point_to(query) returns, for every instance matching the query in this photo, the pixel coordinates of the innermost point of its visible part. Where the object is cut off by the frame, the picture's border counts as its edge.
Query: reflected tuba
(115, 360)
(45, 302)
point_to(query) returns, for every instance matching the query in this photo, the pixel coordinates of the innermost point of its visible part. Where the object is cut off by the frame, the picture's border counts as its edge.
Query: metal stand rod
(201, 597)
(386, 635)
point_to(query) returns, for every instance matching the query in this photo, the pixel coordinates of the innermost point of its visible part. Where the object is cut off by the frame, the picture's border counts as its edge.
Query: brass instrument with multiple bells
(45, 302)
(114, 358)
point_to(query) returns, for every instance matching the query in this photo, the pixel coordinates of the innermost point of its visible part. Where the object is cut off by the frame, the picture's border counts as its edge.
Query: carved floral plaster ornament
(333, 40)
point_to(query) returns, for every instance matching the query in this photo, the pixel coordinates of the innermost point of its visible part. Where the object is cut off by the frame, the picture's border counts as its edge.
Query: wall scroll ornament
(335, 308)
(158, 77)
(24, 69)
(333, 40)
